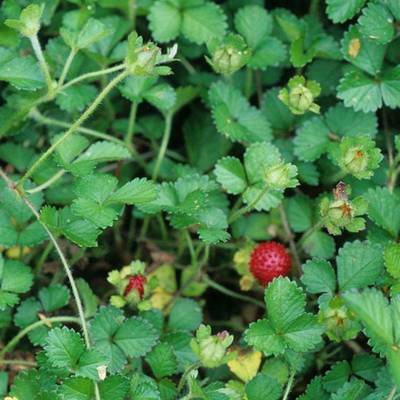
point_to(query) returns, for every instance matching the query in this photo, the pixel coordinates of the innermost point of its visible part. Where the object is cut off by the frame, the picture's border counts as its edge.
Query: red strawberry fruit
(136, 282)
(269, 260)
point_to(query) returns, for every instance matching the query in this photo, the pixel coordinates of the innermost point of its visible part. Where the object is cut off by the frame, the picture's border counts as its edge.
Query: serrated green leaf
(355, 389)
(299, 210)
(319, 276)
(15, 276)
(384, 209)
(64, 347)
(93, 31)
(230, 175)
(371, 308)
(337, 376)
(185, 315)
(89, 361)
(359, 264)
(77, 389)
(21, 72)
(203, 23)
(311, 139)
(165, 21)
(376, 22)
(76, 98)
(341, 11)
(162, 96)
(54, 297)
(366, 366)
(263, 387)
(162, 360)
(138, 191)
(234, 117)
(135, 337)
(114, 387)
(362, 52)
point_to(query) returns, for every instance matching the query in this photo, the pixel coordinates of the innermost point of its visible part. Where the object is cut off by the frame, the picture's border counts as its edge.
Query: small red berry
(269, 260)
(136, 282)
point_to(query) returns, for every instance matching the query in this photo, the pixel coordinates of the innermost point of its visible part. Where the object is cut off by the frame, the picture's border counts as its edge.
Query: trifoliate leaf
(384, 209)
(311, 139)
(359, 264)
(203, 22)
(287, 326)
(165, 21)
(341, 11)
(64, 347)
(362, 52)
(234, 117)
(54, 297)
(102, 329)
(376, 22)
(76, 98)
(319, 276)
(364, 93)
(230, 175)
(162, 360)
(186, 315)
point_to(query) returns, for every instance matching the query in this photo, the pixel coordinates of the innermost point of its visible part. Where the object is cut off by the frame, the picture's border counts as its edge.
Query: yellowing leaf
(246, 365)
(354, 47)
(160, 298)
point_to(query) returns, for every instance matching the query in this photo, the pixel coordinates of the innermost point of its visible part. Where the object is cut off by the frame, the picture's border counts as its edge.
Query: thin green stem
(43, 64)
(248, 88)
(66, 68)
(93, 74)
(290, 237)
(164, 146)
(193, 256)
(86, 114)
(184, 376)
(43, 257)
(188, 66)
(64, 261)
(131, 128)
(21, 334)
(48, 183)
(38, 117)
(231, 293)
(22, 363)
(310, 231)
(288, 386)
(392, 393)
(235, 215)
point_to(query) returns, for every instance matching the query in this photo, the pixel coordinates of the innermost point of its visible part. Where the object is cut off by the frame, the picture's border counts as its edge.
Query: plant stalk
(86, 114)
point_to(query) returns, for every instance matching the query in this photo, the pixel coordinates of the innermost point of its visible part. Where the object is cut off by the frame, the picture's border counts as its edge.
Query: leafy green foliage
(132, 195)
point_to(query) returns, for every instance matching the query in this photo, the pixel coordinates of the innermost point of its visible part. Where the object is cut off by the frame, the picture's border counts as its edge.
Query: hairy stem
(184, 376)
(66, 68)
(231, 293)
(164, 146)
(290, 237)
(86, 114)
(48, 183)
(64, 261)
(288, 386)
(21, 334)
(93, 74)
(43, 64)
(131, 128)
